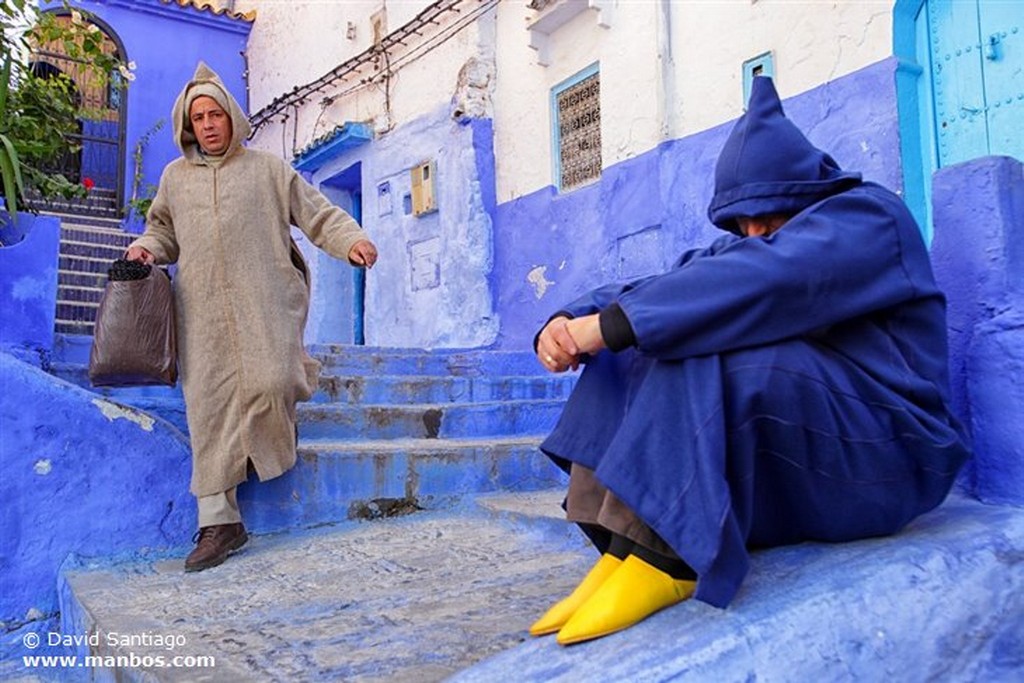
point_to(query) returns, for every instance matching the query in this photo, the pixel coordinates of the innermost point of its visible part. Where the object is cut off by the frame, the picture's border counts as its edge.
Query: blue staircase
(448, 593)
(88, 245)
(394, 430)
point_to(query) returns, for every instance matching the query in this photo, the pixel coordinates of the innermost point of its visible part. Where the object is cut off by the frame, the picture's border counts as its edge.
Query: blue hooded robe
(772, 390)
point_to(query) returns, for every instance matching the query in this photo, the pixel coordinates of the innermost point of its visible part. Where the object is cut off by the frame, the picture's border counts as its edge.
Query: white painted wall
(812, 41)
(297, 41)
(629, 90)
(294, 43)
(669, 68)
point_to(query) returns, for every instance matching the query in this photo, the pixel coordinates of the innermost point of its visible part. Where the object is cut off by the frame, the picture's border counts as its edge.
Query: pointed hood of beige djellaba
(207, 82)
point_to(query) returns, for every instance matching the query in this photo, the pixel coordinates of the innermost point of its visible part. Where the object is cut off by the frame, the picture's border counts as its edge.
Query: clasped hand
(563, 340)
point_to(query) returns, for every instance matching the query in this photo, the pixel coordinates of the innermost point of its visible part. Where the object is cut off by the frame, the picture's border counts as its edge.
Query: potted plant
(39, 111)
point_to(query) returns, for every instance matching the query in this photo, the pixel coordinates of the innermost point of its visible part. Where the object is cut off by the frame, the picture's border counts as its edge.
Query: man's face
(211, 124)
(761, 226)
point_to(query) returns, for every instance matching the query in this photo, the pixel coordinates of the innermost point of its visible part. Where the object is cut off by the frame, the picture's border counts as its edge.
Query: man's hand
(139, 254)
(363, 253)
(556, 349)
(563, 340)
(586, 332)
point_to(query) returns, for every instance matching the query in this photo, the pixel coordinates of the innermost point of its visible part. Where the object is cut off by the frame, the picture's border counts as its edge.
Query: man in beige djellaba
(223, 214)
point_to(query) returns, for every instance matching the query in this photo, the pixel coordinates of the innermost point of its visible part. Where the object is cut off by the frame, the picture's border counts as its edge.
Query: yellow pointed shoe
(560, 612)
(634, 592)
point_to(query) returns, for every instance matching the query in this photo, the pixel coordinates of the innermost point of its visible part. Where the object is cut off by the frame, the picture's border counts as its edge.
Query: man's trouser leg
(219, 508)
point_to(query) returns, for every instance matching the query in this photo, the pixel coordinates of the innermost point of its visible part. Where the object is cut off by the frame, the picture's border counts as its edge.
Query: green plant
(138, 205)
(39, 111)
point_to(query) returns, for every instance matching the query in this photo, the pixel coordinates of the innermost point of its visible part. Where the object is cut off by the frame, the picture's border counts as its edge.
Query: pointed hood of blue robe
(768, 166)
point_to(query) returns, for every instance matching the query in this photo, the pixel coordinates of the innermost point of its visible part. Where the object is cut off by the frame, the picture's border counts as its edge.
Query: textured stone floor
(415, 598)
(449, 595)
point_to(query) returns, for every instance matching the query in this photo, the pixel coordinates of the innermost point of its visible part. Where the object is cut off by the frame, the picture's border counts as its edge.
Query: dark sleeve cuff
(536, 337)
(615, 328)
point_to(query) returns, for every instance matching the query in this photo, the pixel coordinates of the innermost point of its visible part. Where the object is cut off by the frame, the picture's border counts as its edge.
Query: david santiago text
(114, 639)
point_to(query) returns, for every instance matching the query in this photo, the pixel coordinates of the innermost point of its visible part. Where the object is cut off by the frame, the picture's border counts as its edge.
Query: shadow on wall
(81, 476)
(978, 257)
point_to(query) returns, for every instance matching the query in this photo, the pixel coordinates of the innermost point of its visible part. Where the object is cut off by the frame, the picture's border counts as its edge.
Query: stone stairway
(406, 437)
(399, 430)
(399, 565)
(396, 429)
(88, 245)
(101, 202)
(416, 598)
(450, 594)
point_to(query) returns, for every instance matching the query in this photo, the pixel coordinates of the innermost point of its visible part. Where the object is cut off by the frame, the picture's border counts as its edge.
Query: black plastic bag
(135, 342)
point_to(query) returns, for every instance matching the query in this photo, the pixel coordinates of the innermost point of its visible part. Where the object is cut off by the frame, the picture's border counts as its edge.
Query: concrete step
(77, 314)
(74, 221)
(426, 389)
(75, 279)
(99, 205)
(327, 421)
(333, 482)
(449, 595)
(413, 598)
(108, 252)
(941, 601)
(369, 360)
(83, 264)
(94, 234)
(71, 327)
(387, 407)
(78, 293)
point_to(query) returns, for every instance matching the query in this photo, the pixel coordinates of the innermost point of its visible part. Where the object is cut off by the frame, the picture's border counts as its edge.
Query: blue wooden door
(977, 57)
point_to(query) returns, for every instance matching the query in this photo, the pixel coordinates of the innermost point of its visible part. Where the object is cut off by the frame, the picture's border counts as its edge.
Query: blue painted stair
(395, 429)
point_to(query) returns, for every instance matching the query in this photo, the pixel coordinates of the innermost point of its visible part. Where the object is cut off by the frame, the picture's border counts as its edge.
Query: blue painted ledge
(943, 600)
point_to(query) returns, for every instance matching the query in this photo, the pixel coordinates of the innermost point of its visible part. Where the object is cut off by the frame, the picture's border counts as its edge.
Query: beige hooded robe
(241, 296)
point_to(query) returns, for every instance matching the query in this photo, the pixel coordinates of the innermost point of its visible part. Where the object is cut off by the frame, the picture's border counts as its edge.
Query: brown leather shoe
(214, 544)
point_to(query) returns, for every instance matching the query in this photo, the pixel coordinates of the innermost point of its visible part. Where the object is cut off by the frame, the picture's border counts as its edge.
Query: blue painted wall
(551, 247)
(80, 475)
(165, 42)
(979, 257)
(431, 286)
(28, 285)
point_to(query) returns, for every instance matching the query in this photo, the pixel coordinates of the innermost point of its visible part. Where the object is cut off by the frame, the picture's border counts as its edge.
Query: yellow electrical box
(423, 188)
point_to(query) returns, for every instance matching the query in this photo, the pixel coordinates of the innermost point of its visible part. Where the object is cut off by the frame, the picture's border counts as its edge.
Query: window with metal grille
(577, 105)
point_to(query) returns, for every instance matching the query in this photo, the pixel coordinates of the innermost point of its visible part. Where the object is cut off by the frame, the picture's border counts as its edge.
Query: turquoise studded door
(977, 57)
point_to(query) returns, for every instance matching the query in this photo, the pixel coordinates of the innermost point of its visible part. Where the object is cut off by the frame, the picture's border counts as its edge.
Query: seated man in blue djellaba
(787, 383)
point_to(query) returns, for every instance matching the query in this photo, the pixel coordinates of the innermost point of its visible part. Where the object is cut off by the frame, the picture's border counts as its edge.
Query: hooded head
(767, 166)
(206, 83)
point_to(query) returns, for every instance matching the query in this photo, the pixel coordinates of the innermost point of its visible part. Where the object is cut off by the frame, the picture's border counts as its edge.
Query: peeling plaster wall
(644, 212)
(319, 28)
(431, 285)
(81, 475)
(284, 54)
(300, 40)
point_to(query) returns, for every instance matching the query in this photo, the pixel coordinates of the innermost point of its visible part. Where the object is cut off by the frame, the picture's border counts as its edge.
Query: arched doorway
(96, 155)
(960, 84)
